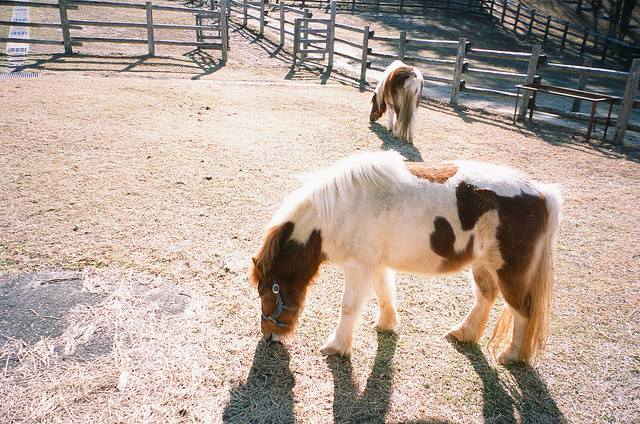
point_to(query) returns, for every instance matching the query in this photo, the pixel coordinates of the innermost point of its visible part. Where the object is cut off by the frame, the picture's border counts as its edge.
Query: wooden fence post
(244, 13)
(546, 30)
(331, 34)
(261, 32)
(224, 29)
(365, 53)
(532, 21)
(457, 72)
(582, 84)
(584, 42)
(402, 44)
(296, 40)
(282, 22)
(531, 74)
(515, 23)
(627, 102)
(150, 41)
(304, 23)
(504, 11)
(64, 21)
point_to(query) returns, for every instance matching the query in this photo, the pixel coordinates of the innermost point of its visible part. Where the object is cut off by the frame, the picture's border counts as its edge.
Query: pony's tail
(540, 293)
(409, 103)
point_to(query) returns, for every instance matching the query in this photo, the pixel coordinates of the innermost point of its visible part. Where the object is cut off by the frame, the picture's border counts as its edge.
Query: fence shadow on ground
(575, 139)
(529, 402)
(267, 395)
(197, 62)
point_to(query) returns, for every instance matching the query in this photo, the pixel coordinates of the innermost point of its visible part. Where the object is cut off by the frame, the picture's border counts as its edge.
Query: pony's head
(378, 107)
(282, 272)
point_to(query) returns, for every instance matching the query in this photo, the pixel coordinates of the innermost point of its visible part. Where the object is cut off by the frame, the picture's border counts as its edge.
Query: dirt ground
(136, 192)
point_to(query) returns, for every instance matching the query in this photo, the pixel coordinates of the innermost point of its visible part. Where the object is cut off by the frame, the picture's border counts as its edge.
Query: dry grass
(175, 179)
(156, 193)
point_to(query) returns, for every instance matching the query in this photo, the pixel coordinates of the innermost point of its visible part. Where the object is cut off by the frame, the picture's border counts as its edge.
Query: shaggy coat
(398, 94)
(373, 213)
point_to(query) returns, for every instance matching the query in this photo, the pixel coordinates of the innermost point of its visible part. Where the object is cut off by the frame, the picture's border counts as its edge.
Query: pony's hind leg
(513, 351)
(357, 283)
(385, 287)
(486, 290)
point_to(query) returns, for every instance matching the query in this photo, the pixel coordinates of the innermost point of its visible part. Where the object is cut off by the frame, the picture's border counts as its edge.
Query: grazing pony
(399, 91)
(373, 213)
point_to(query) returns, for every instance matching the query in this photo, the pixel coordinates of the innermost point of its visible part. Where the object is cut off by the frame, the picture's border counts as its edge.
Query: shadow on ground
(267, 395)
(530, 403)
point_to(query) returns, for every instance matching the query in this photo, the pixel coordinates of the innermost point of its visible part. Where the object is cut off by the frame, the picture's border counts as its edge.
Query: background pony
(373, 212)
(398, 93)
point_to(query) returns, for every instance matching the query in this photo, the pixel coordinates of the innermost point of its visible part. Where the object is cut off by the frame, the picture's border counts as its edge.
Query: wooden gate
(313, 39)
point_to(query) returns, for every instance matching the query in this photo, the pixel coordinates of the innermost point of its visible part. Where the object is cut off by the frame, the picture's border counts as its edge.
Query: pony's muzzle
(273, 337)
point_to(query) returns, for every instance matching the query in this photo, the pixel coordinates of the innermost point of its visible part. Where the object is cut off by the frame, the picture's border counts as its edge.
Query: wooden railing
(210, 28)
(550, 32)
(468, 70)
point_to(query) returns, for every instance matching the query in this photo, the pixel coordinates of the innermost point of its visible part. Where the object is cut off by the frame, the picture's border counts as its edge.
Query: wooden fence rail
(71, 35)
(468, 70)
(563, 36)
(514, 17)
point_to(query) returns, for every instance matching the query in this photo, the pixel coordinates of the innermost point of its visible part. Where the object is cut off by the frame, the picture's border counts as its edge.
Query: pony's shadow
(267, 395)
(373, 404)
(389, 142)
(531, 400)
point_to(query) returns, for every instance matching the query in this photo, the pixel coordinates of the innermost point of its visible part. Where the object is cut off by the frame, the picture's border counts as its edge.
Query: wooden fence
(550, 32)
(210, 28)
(469, 70)
(563, 36)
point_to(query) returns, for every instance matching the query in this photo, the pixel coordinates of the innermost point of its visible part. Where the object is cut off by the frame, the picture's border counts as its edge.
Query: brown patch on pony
(472, 203)
(377, 110)
(395, 81)
(438, 173)
(442, 242)
(293, 266)
(523, 220)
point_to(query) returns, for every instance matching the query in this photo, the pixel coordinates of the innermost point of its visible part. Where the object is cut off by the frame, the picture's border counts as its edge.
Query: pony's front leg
(385, 287)
(391, 116)
(357, 283)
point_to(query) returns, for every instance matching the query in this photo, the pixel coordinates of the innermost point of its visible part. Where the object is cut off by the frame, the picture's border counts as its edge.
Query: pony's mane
(323, 190)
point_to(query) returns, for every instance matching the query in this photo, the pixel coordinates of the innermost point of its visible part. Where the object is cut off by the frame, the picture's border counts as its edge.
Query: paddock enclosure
(465, 64)
(135, 190)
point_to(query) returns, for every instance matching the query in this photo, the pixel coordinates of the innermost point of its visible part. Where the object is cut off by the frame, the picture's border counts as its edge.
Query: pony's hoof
(509, 356)
(380, 328)
(330, 350)
(451, 338)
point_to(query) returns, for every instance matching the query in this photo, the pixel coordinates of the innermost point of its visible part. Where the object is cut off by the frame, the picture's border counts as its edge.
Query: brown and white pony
(373, 213)
(398, 93)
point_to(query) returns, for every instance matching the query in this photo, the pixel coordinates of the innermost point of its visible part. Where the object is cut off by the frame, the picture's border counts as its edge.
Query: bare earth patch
(147, 198)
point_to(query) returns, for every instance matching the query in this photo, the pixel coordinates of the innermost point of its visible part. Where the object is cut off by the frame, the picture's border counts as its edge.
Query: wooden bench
(589, 96)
